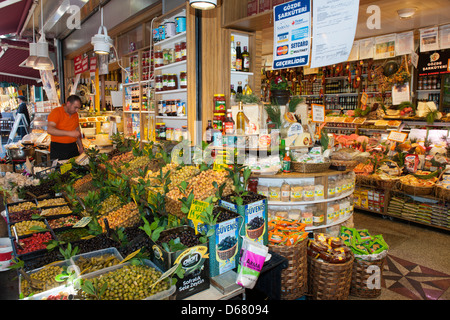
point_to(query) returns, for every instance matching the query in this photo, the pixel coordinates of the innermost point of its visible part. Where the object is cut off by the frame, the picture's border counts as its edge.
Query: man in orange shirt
(64, 128)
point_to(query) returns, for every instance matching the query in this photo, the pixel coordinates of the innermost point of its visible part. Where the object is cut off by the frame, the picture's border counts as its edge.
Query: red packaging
(277, 2)
(252, 7)
(265, 5)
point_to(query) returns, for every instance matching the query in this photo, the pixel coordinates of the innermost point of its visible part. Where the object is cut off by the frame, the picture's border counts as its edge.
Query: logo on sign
(283, 37)
(282, 50)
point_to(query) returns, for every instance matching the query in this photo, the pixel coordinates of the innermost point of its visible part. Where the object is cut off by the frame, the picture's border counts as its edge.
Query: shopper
(64, 129)
(23, 109)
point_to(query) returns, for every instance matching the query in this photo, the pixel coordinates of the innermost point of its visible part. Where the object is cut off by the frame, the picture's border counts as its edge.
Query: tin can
(170, 29)
(162, 33)
(180, 24)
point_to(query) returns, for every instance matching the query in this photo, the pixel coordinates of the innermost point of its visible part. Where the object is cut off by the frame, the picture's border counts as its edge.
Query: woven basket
(440, 192)
(329, 281)
(416, 191)
(227, 254)
(360, 277)
(348, 164)
(294, 279)
(255, 233)
(303, 167)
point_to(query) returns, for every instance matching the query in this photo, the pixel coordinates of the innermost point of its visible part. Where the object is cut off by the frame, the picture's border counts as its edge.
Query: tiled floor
(418, 264)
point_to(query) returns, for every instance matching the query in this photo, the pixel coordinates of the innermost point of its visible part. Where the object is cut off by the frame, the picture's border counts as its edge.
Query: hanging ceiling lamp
(43, 61)
(101, 41)
(31, 60)
(203, 4)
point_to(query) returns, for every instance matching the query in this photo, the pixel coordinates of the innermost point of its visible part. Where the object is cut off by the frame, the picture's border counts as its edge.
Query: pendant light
(31, 60)
(101, 41)
(203, 4)
(43, 62)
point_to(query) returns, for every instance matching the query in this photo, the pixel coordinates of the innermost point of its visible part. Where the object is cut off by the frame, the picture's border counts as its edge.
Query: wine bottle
(238, 56)
(233, 54)
(245, 60)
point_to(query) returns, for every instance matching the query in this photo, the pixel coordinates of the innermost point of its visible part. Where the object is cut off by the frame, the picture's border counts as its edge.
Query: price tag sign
(82, 223)
(66, 167)
(130, 256)
(397, 136)
(318, 113)
(197, 208)
(364, 98)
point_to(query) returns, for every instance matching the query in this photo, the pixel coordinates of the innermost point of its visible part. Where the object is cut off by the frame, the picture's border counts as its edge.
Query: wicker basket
(416, 191)
(386, 183)
(303, 167)
(348, 164)
(227, 254)
(294, 279)
(255, 233)
(440, 192)
(329, 281)
(360, 277)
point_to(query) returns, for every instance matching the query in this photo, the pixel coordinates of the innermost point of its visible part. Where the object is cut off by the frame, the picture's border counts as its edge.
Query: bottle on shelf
(240, 120)
(228, 125)
(238, 57)
(287, 162)
(245, 60)
(209, 132)
(239, 87)
(232, 95)
(233, 54)
(247, 90)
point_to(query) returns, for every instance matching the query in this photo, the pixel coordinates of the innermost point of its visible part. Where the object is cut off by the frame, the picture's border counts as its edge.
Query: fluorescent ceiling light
(203, 4)
(406, 13)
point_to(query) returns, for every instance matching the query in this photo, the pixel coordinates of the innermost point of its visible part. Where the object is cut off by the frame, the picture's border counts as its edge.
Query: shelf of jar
(342, 94)
(131, 111)
(303, 203)
(241, 73)
(170, 91)
(171, 118)
(170, 41)
(342, 220)
(172, 65)
(130, 84)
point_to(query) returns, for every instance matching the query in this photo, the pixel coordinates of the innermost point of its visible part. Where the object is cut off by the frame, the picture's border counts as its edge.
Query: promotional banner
(292, 32)
(434, 62)
(334, 28)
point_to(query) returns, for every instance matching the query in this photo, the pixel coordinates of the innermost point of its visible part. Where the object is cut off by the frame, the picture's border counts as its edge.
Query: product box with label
(255, 216)
(194, 261)
(252, 8)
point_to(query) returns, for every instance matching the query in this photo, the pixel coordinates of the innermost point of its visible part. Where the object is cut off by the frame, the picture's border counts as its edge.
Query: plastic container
(98, 253)
(52, 292)
(180, 23)
(5, 253)
(163, 295)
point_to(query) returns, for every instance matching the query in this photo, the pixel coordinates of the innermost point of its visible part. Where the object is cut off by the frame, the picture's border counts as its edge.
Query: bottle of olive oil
(240, 120)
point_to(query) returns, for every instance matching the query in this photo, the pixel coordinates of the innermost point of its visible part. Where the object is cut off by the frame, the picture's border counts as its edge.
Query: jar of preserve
(162, 131)
(172, 57)
(174, 108)
(177, 135)
(169, 134)
(253, 185)
(218, 120)
(159, 59)
(165, 82)
(166, 57)
(172, 81)
(161, 104)
(158, 83)
(184, 133)
(183, 80)
(177, 52)
(183, 50)
(157, 130)
(219, 103)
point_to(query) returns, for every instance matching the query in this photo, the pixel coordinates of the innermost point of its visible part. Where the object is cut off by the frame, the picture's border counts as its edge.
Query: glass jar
(253, 185)
(172, 58)
(173, 81)
(184, 133)
(177, 52)
(169, 134)
(318, 218)
(165, 82)
(183, 80)
(218, 120)
(181, 108)
(162, 131)
(177, 135)
(159, 58)
(219, 103)
(166, 57)
(158, 83)
(183, 51)
(161, 107)
(157, 130)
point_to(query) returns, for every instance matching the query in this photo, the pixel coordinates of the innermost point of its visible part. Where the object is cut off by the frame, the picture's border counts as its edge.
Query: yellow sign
(197, 208)
(66, 167)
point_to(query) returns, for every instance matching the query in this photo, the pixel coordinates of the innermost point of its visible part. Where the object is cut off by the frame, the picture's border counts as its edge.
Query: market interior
(258, 150)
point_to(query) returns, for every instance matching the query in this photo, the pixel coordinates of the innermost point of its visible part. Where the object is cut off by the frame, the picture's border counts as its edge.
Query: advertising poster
(404, 43)
(292, 33)
(366, 48)
(334, 28)
(385, 46)
(444, 36)
(429, 39)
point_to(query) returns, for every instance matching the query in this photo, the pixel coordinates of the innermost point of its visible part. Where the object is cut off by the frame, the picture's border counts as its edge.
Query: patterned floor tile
(414, 281)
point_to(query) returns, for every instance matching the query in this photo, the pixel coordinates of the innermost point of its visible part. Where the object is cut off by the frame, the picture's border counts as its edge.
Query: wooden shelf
(170, 91)
(170, 41)
(256, 22)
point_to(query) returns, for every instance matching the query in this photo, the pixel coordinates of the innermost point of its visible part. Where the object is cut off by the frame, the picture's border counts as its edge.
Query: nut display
(110, 203)
(126, 216)
(51, 202)
(56, 211)
(129, 283)
(22, 206)
(23, 228)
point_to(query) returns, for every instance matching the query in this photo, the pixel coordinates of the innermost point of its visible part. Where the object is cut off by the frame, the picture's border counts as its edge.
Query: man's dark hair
(74, 98)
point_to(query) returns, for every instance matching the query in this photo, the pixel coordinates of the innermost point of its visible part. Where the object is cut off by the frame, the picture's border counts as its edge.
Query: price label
(82, 223)
(397, 136)
(66, 167)
(130, 256)
(318, 113)
(197, 208)
(364, 98)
